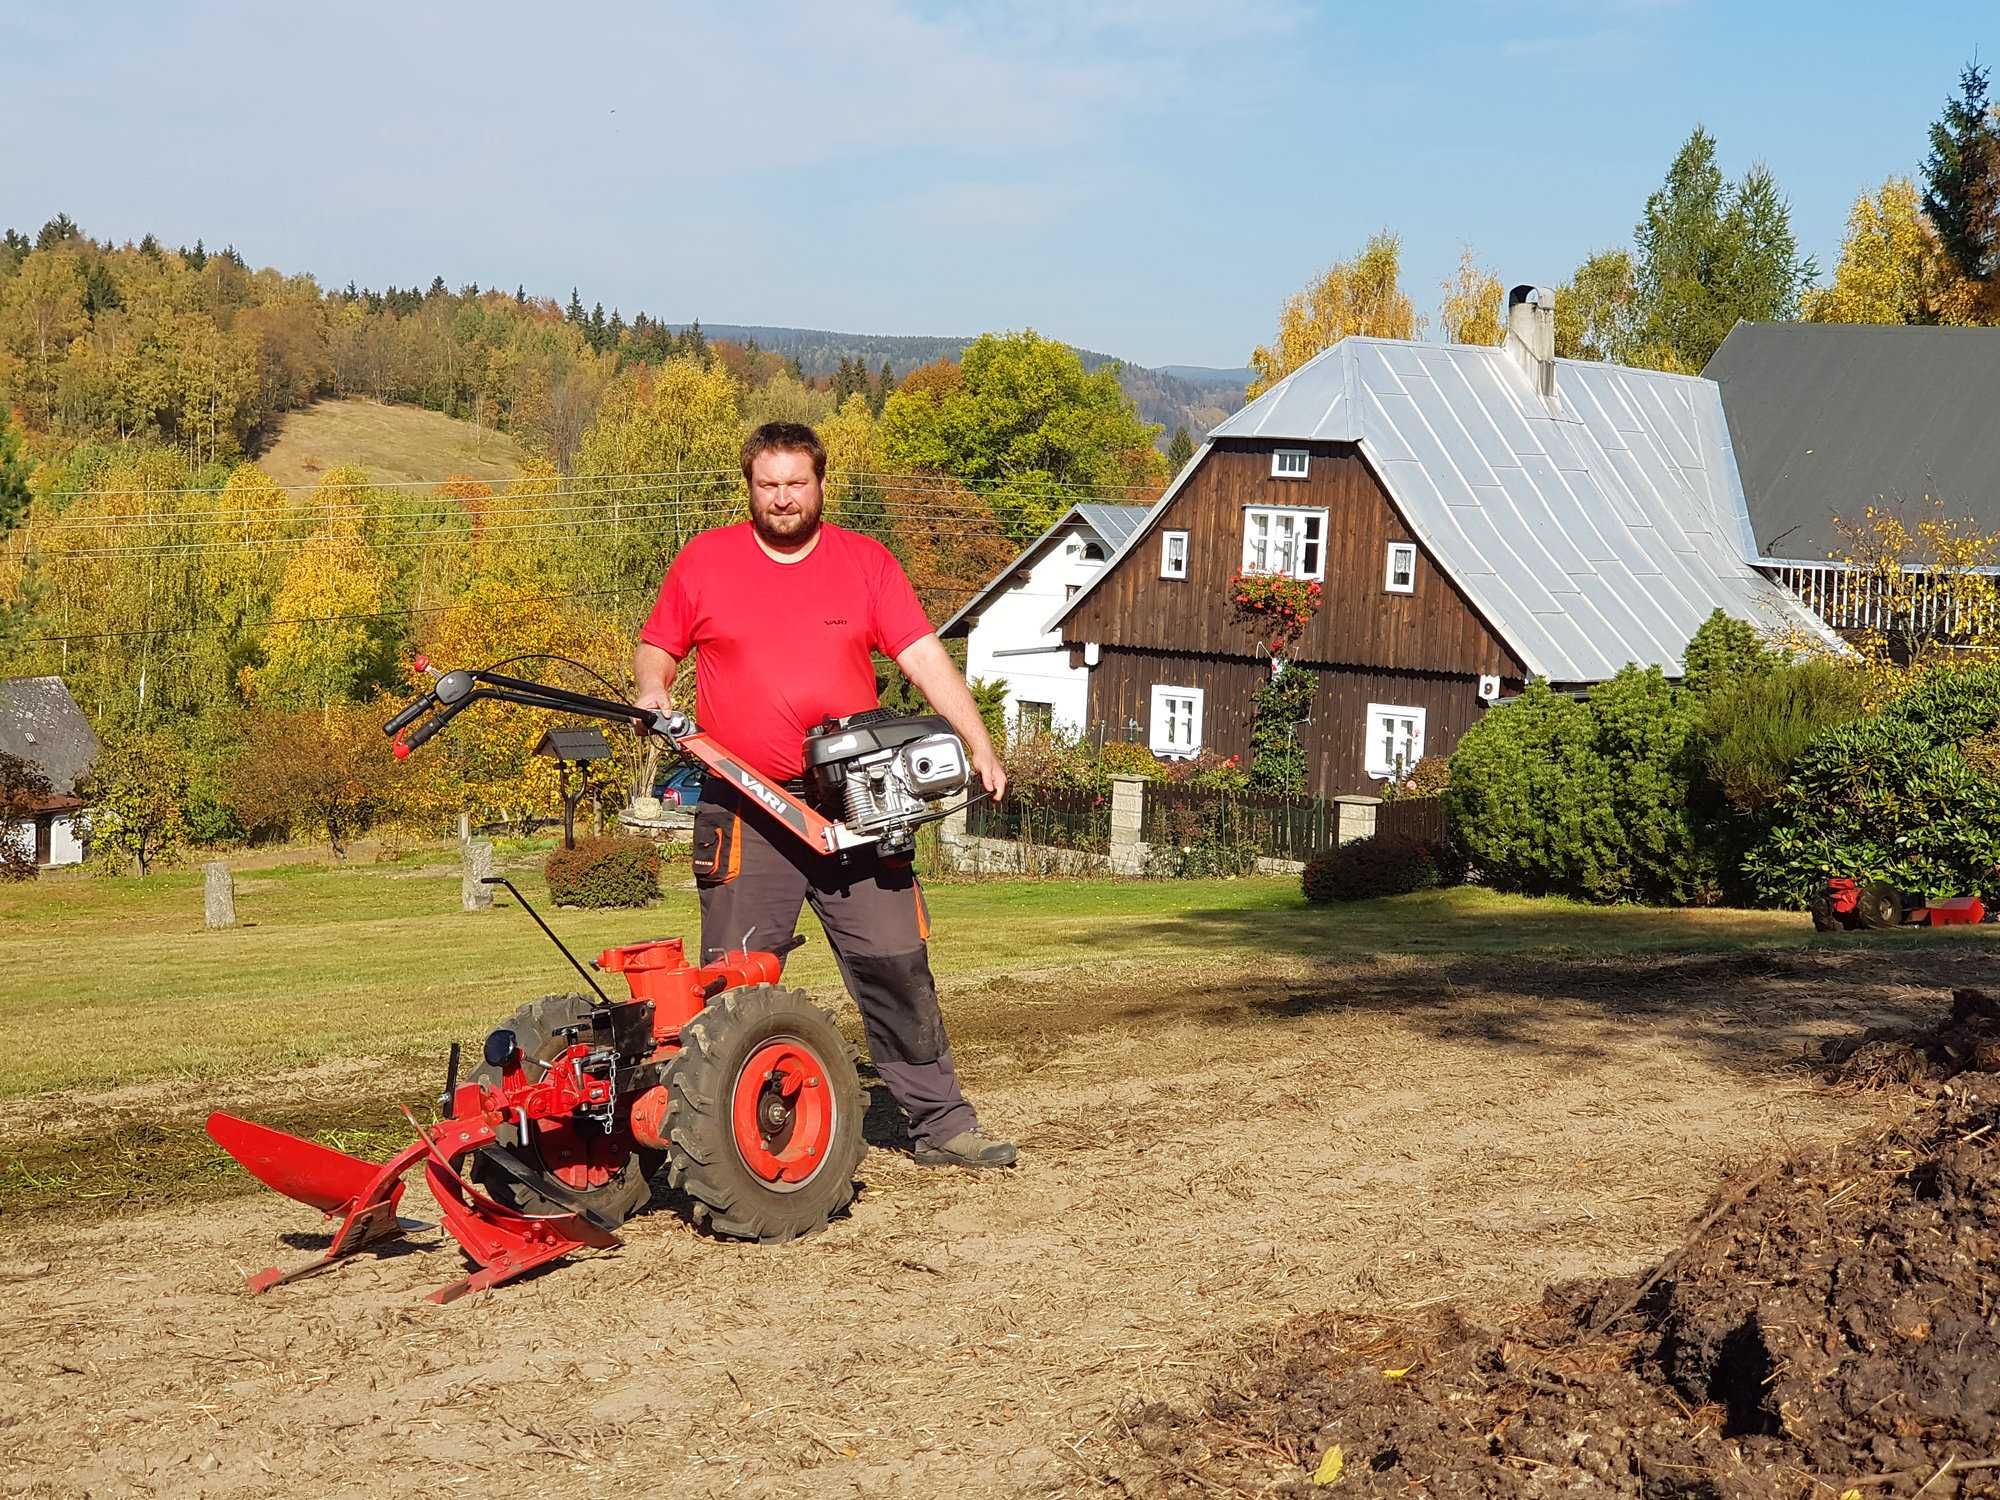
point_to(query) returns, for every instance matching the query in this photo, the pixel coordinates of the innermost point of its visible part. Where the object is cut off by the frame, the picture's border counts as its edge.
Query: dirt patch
(1196, 1167)
(1829, 1323)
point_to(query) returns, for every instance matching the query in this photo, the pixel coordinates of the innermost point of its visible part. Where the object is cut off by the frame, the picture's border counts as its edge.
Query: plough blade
(502, 1242)
(329, 1180)
(364, 1194)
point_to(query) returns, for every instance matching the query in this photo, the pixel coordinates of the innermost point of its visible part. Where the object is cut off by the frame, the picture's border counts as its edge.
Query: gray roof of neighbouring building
(1828, 419)
(1113, 523)
(41, 724)
(1596, 536)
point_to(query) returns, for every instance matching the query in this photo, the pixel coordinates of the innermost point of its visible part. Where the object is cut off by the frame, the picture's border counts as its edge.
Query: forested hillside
(1174, 396)
(232, 635)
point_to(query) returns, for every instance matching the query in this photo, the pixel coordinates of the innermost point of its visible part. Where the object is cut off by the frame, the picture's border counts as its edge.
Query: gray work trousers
(754, 877)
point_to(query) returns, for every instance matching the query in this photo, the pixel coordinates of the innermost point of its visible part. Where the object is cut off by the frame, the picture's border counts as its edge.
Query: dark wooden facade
(1425, 649)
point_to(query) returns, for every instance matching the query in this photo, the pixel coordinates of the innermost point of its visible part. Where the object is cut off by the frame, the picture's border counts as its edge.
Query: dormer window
(1290, 463)
(1093, 552)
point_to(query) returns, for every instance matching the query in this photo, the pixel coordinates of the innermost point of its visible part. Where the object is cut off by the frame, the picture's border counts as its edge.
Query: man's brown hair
(784, 437)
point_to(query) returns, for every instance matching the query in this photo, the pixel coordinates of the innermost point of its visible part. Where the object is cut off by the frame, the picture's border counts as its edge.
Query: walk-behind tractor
(1847, 903)
(712, 1079)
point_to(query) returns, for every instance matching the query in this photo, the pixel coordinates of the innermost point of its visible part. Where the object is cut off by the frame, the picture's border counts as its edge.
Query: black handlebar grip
(424, 731)
(410, 712)
(796, 940)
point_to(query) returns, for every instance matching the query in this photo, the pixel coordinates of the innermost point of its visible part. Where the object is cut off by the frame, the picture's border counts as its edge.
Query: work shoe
(967, 1149)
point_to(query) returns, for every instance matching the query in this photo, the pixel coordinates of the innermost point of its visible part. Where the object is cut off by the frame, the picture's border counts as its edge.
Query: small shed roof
(574, 742)
(1828, 419)
(41, 724)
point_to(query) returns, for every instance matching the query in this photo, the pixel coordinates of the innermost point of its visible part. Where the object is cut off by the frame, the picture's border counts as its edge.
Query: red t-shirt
(782, 644)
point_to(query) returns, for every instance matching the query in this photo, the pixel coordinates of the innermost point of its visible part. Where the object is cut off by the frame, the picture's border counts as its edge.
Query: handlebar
(457, 691)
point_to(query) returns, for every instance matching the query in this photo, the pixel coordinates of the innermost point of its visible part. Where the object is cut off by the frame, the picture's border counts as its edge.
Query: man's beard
(791, 530)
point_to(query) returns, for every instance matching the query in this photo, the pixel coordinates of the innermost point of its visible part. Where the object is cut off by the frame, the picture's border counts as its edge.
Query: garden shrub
(1902, 796)
(610, 871)
(1367, 868)
(1759, 725)
(1204, 841)
(1427, 778)
(1124, 758)
(1587, 797)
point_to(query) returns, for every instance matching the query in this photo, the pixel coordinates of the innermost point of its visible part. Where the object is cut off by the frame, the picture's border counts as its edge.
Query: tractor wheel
(606, 1169)
(1879, 905)
(764, 1110)
(1824, 917)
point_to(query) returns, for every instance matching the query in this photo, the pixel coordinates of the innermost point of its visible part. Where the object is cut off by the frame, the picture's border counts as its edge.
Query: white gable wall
(65, 838)
(1010, 643)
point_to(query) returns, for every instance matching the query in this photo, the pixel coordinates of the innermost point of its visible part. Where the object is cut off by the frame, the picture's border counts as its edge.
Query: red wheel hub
(782, 1113)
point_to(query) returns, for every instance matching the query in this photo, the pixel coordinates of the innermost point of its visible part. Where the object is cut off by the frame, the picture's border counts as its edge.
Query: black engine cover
(835, 742)
(839, 740)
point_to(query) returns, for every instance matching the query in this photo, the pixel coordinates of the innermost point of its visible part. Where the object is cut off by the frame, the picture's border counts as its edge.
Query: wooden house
(1475, 516)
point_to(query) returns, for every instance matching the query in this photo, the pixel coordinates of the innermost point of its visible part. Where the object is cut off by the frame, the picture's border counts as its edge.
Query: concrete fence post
(478, 860)
(953, 840)
(218, 895)
(1357, 818)
(1128, 822)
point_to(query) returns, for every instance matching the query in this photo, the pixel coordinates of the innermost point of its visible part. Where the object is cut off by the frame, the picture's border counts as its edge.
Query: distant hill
(392, 443)
(1194, 396)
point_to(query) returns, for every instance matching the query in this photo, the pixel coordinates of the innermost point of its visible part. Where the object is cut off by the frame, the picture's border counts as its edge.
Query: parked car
(679, 787)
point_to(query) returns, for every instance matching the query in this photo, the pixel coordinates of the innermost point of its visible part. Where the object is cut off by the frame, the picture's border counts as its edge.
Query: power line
(499, 486)
(378, 614)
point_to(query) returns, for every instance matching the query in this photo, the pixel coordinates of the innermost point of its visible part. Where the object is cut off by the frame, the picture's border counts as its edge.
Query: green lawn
(113, 981)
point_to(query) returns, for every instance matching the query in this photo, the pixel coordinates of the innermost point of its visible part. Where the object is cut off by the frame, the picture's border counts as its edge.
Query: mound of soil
(1829, 1324)
(1968, 1041)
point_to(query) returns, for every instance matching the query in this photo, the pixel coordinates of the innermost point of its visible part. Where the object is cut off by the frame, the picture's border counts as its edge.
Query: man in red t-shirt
(786, 613)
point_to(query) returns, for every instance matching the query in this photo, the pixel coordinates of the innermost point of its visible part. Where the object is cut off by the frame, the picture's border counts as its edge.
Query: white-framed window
(1290, 463)
(1399, 573)
(1395, 739)
(1173, 554)
(1280, 540)
(1176, 726)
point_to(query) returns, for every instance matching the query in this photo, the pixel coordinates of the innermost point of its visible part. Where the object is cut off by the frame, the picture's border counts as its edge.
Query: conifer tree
(1180, 450)
(1962, 177)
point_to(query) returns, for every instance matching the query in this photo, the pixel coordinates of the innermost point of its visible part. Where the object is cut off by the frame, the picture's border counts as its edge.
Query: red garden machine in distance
(1847, 903)
(713, 1080)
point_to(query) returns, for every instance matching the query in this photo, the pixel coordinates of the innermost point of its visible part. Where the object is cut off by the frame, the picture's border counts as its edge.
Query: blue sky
(1146, 177)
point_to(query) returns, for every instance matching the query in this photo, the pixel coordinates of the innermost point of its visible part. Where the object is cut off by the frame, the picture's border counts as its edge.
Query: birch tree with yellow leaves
(1358, 297)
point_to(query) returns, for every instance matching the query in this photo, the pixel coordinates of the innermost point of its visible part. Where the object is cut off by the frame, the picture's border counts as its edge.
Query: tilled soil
(1830, 1325)
(1193, 1173)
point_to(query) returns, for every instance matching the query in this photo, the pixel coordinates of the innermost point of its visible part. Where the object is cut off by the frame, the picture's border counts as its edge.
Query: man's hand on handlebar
(992, 775)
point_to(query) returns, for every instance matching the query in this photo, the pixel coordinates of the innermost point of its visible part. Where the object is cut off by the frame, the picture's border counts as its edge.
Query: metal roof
(40, 723)
(1595, 533)
(1828, 419)
(1114, 525)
